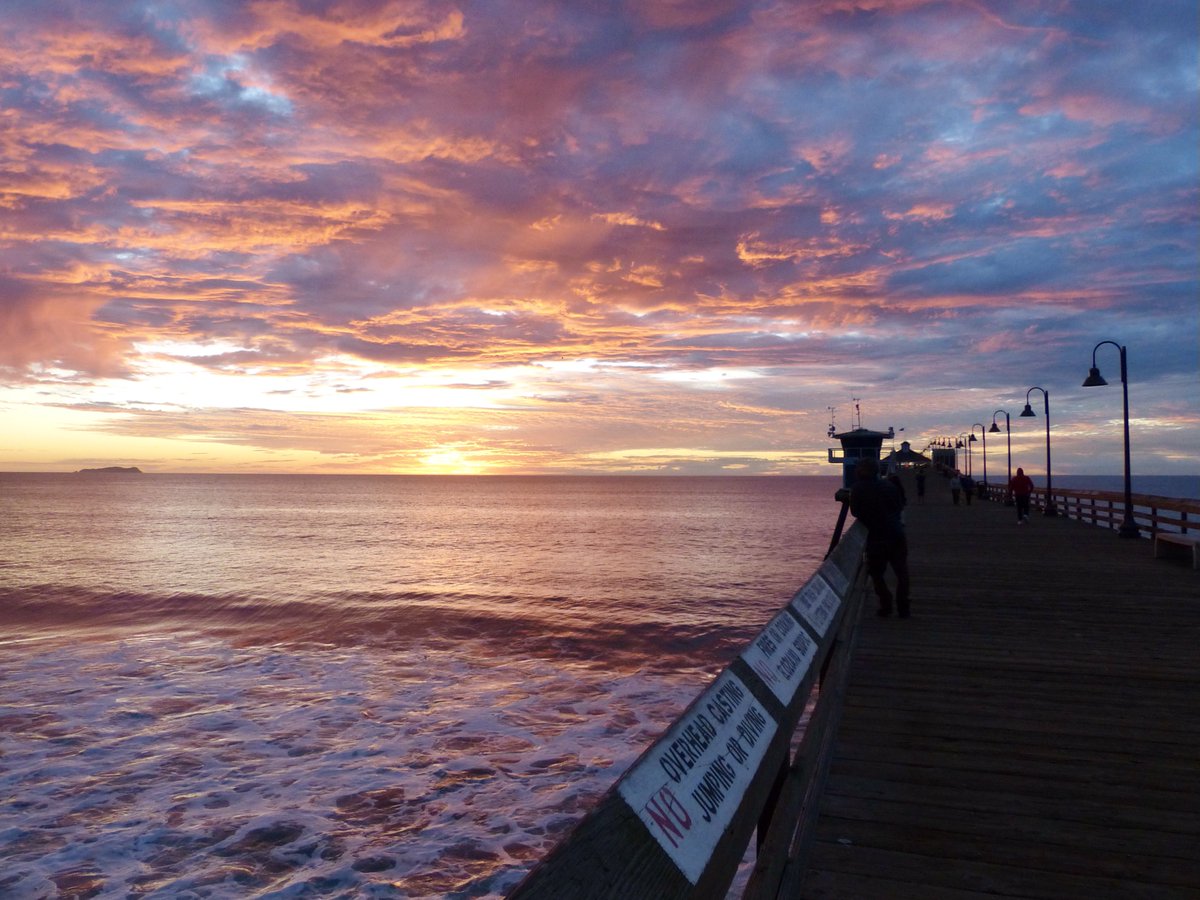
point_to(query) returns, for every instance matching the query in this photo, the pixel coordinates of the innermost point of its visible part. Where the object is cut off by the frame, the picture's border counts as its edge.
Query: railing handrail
(1177, 504)
(1149, 510)
(676, 824)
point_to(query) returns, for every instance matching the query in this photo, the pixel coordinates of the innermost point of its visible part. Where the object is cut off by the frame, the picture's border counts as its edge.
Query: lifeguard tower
(860, 443)
(856, 445)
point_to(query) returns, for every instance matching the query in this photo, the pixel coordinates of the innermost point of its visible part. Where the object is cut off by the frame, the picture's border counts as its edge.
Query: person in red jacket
(1021, 487)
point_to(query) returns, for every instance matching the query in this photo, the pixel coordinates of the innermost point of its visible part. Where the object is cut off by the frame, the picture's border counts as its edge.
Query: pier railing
(1107, 508)
(678, 822)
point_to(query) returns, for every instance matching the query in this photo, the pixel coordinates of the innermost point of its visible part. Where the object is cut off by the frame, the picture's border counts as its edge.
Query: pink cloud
(44, 332)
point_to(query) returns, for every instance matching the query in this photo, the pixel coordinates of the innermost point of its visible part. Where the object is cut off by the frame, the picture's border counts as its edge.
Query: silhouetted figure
(955, 487)
(921, 485)
(968, 487)
(894, 481)
(1021, 487)
(879, 505)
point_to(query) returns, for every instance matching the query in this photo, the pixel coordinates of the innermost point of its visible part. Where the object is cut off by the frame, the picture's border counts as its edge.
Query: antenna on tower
(857, 413)
(832, 426)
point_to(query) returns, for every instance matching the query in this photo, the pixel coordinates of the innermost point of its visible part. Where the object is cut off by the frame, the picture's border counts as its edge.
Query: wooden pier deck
(1032, 731)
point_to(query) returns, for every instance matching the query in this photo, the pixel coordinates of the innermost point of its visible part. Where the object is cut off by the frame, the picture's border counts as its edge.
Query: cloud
(863, 190)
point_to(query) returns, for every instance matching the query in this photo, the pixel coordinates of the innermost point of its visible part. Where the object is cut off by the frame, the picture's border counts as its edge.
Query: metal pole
(841, 523)
(983, 431)
(1008, 434)
(1008, 498)
(1129, 528)
(1051, 508)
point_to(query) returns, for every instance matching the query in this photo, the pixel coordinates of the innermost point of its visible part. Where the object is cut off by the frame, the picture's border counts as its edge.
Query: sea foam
(173, 768)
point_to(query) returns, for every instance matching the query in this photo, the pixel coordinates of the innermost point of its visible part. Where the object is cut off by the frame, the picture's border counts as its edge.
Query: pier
(1032, 731)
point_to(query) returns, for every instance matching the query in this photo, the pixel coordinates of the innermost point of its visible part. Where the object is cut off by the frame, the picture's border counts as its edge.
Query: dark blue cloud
(1019, 267)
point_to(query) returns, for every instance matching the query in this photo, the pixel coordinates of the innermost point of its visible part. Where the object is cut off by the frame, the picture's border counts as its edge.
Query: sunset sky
(533, 237)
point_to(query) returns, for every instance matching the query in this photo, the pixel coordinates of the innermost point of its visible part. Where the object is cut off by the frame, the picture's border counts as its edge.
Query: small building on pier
(905, 458)
(944, 458)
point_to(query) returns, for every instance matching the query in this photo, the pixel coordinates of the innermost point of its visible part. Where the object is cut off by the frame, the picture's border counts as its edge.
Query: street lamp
(995, 429)
(1050, 509)
(1129, 528)
(982, 431)
(965, 444)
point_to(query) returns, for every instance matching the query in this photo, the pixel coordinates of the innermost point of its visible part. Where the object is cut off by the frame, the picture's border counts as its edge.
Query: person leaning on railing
(878, 505)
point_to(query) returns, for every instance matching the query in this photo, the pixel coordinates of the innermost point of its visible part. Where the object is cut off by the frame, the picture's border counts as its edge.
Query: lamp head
(1027, 411)
(973, 439)
(1094, 379)
(995, 429)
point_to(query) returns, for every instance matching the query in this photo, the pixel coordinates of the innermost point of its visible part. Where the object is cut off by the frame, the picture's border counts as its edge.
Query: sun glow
(451, 461)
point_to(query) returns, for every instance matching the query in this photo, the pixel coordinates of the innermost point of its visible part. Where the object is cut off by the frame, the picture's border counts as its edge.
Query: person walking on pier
(894, 480)
(955, 487)
(1021, 487)
(878, 505)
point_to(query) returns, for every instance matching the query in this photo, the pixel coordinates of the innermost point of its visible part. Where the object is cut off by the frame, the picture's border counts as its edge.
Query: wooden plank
(1031, 731)
(845, 812)
(941, 838)
(915, 874)
(858, 886)
(1087, 764)
(1095, 809)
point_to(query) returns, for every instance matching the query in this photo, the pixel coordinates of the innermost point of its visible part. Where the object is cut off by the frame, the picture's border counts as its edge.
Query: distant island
(111, 470)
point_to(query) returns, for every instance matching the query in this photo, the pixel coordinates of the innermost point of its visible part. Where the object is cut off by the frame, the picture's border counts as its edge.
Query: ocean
(356, 686)
(1183, 487)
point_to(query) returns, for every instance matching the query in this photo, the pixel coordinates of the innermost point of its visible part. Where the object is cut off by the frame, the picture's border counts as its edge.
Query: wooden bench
(1165, 543)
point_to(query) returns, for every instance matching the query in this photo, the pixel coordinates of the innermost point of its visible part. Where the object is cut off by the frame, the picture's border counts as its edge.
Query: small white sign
(781, 655)
(687, 788)
(817, 603)
(836, 577)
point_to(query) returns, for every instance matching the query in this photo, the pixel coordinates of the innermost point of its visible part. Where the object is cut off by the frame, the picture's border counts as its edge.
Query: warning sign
(781, 655)
(817, 603)
(687, 788)
(836, 577)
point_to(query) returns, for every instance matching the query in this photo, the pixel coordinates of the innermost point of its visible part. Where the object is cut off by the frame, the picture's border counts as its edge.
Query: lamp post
(961, 444)
(1129, 528)
(982, 431)
(1050, 509)
(995, 429)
